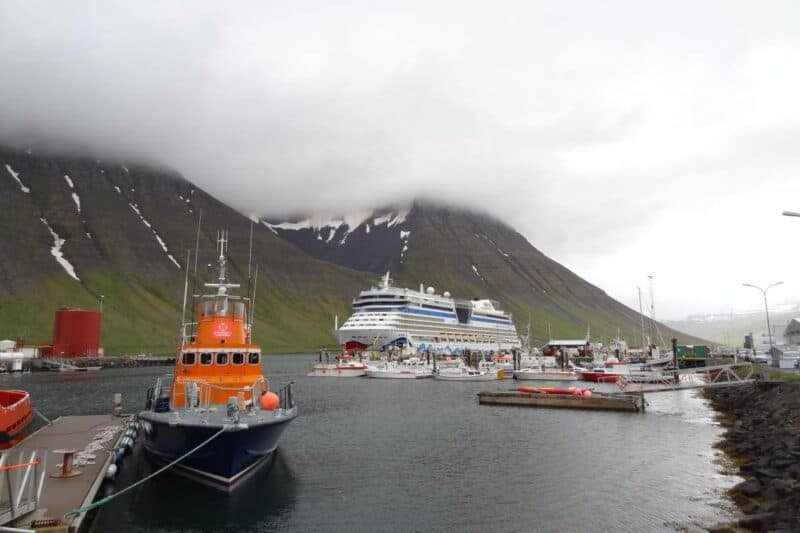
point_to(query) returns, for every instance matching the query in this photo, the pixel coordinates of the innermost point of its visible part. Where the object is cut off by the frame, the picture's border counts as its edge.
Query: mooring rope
(103, 501)
(49, 423)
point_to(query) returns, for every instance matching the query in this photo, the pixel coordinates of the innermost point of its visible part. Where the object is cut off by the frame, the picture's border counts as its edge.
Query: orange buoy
(587, 392)
(269, 401)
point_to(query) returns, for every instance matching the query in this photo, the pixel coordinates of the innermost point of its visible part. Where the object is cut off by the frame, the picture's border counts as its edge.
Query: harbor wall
(762, 423)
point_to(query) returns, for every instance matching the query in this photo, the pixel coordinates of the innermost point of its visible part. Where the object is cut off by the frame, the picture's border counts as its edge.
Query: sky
(622, 138)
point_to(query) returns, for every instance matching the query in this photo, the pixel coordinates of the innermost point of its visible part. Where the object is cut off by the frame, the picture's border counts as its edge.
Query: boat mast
(641, 314)
(185, 294)
(196, 254)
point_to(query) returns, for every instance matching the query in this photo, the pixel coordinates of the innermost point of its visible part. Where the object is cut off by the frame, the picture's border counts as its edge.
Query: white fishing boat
(344, 367)
(413, 368)
(537, 374)
(465, 373)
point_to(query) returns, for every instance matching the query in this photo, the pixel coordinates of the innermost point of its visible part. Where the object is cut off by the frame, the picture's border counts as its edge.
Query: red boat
(601, 375)
(15, 416)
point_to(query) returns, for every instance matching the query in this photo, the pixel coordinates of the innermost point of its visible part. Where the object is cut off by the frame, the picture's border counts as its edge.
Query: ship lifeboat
(15, 416)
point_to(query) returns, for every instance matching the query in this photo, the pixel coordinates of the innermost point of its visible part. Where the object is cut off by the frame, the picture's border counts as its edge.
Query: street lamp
(766, 309)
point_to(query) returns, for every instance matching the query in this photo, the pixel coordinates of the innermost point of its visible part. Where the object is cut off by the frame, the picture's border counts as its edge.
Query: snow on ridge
(77, 200)
(391, 219)
(69, 181)
(268, 225)
(475, 269)
(291, 226)
(126, 169)
(404, 234)
(57, 254)
(331, 234)
(118, 189)
(155, 233)
(15, 175)
(366, 228)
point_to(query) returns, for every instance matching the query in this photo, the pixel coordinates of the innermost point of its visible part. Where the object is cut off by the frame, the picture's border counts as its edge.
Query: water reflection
(171, 502)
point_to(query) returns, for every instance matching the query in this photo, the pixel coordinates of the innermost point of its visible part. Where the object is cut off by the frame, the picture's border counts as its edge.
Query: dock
(89, 437)
(604, 402)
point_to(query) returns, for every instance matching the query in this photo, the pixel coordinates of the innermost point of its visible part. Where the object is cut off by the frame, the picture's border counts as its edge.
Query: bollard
(66, 465)
(117, 404)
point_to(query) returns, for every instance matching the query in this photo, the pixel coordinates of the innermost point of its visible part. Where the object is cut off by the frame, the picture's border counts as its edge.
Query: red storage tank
(76, 333)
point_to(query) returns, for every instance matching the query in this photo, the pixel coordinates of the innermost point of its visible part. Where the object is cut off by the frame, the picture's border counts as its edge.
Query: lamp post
(766, 309)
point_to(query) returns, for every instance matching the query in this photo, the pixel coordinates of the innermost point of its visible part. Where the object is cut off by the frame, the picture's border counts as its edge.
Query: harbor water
(422, 455)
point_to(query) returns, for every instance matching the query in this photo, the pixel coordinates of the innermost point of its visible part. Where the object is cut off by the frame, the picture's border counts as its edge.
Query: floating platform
(89, 437)
(597, 401)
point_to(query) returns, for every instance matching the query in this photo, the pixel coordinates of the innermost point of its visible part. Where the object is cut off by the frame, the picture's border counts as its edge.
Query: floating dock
(597, 401)
(87, 439)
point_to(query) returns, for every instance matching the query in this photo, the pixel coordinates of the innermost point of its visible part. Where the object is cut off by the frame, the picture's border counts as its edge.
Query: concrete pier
(86, 436)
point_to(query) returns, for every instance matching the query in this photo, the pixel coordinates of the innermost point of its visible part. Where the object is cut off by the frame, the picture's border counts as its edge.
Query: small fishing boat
(413, 368)
(15, 416)
(466, 373)
(344, 367)
(537, 374)
(602, 374)
(216, 418)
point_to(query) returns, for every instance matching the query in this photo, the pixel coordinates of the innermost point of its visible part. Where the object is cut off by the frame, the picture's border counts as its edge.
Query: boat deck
(92, 434)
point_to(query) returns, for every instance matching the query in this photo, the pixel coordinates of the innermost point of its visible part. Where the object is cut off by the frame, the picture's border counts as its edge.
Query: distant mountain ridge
(74, 229)
(471, 255)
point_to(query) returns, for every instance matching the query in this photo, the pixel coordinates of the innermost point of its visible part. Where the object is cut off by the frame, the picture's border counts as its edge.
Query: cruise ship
(421, 321)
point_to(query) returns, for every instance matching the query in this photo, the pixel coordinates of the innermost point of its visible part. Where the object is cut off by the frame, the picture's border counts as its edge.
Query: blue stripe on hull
(224, 459)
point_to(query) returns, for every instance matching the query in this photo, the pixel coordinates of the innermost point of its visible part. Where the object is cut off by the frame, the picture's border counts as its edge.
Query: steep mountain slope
(471, 255)
(73, 229)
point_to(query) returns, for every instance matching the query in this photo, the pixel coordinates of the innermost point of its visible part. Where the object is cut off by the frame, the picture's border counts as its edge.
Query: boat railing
(22, 474)
(199, 393)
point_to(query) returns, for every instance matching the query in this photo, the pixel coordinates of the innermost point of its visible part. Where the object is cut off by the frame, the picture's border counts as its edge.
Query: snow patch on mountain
(15, 175)
(475, 269)
(57, 253)
(75, 197)
(69, 182)
(155, 233)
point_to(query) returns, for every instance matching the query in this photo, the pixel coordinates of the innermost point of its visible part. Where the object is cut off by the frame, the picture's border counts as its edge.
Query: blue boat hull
(224, 461)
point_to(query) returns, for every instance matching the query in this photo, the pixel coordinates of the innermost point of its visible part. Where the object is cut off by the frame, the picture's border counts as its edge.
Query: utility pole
(766, 309)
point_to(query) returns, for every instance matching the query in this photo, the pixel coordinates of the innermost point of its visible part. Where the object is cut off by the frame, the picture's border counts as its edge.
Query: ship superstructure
(421, 320)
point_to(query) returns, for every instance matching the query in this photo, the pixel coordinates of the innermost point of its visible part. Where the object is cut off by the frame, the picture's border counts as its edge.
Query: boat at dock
(344, 367)
(466, 373)
(537, 374)
(15, 417)
(216, 414)
(413, 368)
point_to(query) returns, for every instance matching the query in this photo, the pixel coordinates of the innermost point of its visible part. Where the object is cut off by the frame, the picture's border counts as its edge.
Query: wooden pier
(597, 401)
(89, 437)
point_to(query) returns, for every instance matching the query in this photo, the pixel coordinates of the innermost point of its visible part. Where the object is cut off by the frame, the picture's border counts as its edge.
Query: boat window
(238, 358)
(208, 308)
(188, 358)
(253, 358)
(205, 358)
(222, 358)
(238, 310)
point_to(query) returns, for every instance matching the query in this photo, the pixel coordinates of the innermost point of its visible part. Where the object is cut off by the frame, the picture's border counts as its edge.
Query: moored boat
(465, 373)
(216, 414)
(536, 374)
(15, 416)
(344, 367)
(413, 368)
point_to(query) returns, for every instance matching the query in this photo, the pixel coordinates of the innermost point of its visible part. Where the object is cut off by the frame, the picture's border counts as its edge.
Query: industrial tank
(76, 333)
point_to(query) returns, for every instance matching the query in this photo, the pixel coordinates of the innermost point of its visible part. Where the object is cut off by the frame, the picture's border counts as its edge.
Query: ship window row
(222, 358)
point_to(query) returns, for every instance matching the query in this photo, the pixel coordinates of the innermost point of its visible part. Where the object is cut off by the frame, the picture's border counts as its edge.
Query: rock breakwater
(763, 438)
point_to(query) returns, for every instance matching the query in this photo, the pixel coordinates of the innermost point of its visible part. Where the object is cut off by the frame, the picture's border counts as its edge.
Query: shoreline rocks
(762, 423)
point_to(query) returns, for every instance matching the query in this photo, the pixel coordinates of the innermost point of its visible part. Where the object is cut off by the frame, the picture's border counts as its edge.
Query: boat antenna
(253, 301)
(250, 256)
(185, 294)
(196, 254)
(641, 314)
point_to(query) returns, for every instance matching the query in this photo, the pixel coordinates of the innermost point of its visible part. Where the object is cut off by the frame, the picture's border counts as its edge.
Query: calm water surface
(397, 455)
